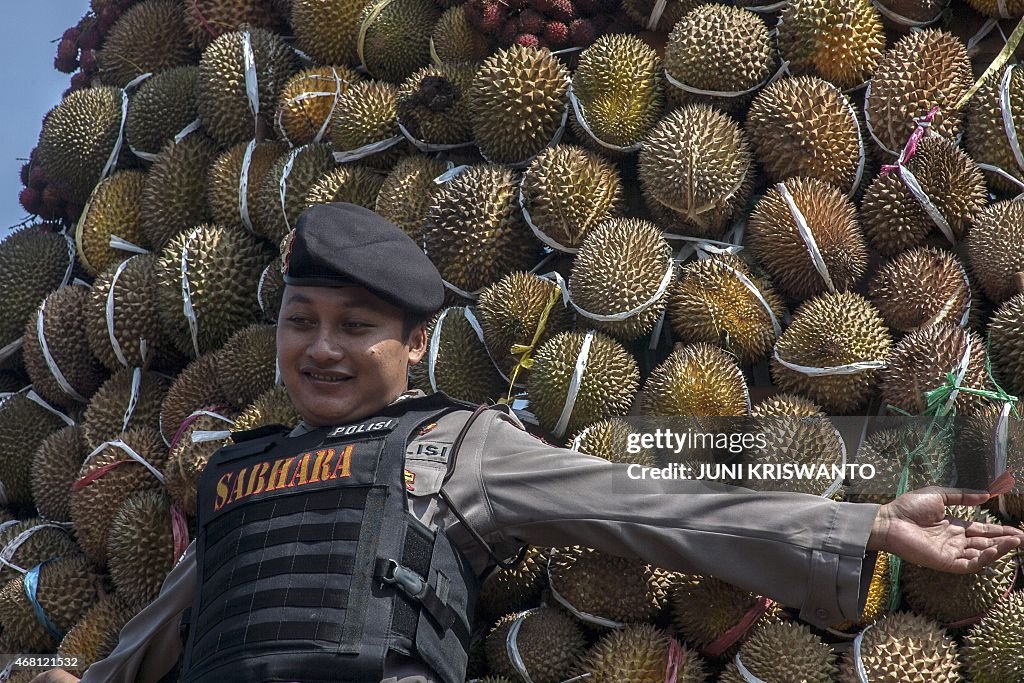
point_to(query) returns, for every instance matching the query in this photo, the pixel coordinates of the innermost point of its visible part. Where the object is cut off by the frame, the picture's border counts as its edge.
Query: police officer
(349, 548)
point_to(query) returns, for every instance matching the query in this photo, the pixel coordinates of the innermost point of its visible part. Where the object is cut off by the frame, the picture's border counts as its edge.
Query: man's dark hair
(410, 321)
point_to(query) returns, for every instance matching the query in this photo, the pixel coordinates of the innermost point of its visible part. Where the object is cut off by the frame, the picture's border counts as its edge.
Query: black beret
(344, 245)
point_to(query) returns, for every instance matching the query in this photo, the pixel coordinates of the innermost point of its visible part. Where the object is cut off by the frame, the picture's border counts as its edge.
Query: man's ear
(417, 343)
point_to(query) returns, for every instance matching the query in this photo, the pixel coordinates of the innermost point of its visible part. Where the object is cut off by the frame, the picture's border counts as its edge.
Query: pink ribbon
(910, 148)
(190, 419)
(179, 529)
(96, 474)
(675, 658)
(733, 635)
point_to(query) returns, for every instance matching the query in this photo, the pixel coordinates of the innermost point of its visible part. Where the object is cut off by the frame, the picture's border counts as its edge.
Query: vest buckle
(411, 583)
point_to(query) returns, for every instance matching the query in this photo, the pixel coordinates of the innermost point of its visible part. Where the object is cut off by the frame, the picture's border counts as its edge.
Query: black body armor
(310, 566)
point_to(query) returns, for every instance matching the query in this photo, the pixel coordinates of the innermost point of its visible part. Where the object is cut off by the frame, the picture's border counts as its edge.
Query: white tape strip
(965, 361)
(901, 20)
(259, 289)
(463, 293)
(109, 311)
(116, 242)
(867, 122)
(9, 550)
(429, 146)
(768, 9)
(981, 34)
(910, 181)
(37, 399)
(850, 369)
(728, 94)
(857, 661)
(1000, 172)
(695, 245)
(366, 150)
(837, 483)
(581, 119)
(512, 645)
(467, 313)
(187, 130)
(745, 281)
(451, 173)
(243, 186)
(186, 293)
(114, 153)
(216, 416)
(806, 235)
(435, 343)
(133, 398)
(537, 232)
(861, 151)
(51, 363)
(145, 156)
(744, 672)
(656, 12)
(252, 89)
(282, 185)
(206, 435)
(12, 348)
(574, 385)
(666, 280)
(1006, 113)
(578, 439)
(131, 452)
(583, 616)
(1002, 441)
(1003, 11)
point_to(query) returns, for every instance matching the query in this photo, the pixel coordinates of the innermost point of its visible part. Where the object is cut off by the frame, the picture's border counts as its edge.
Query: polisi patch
(364, 428)
(429, 450)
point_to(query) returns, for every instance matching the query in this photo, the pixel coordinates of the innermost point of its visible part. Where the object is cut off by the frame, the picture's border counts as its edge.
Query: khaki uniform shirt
(804, 551)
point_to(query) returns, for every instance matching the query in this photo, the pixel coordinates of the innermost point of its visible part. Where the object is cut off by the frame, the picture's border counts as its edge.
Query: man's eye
(299, 320)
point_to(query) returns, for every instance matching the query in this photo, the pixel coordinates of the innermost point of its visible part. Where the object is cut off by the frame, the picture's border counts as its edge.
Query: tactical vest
(310, 566)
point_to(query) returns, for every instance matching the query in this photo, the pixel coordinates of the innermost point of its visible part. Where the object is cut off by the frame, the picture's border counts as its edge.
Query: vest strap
(418, 589)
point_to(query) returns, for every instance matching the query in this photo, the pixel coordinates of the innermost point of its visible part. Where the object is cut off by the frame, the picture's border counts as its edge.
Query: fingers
(981, 552)
(957, 496)
(974, 529)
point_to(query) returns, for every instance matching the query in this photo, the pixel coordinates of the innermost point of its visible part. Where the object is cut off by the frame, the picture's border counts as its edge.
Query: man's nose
(326, 346)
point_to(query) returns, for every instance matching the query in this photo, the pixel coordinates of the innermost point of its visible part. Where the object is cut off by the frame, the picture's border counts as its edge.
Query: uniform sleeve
(149, 644)
(802, 550)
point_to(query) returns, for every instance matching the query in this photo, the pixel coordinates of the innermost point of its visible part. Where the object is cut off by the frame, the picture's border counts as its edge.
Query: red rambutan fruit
(31, 199)
(527, 40)
(556, 34)
(582, 33)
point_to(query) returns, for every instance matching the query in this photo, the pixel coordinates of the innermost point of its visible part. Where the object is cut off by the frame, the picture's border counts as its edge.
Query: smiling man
(349, 548)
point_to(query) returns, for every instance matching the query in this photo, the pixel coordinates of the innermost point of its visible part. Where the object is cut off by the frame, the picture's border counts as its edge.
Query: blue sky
(29, 86)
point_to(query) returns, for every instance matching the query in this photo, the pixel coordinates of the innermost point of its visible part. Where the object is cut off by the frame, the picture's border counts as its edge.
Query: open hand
(915, 527)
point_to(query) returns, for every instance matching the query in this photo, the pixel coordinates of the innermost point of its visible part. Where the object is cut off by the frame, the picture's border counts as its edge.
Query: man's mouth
(332, 377)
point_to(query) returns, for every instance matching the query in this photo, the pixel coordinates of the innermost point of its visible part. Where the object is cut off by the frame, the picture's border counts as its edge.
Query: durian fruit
(718, 48)
(905, 647)
(985, 136)
(510, 311)
(619, 89)
(56, 352)
(705, 608)
(149, 37)
(33, 262)
(607, 387)
(246, 364)
(94, 502)
(640, 653)
(995, 249)
(54, 469)
(105, 416)
(517, 103)
(433, 103)
(24, 425)
(308, 100)
(270, 290)
(219, 268)
(224, 181)
(224, 106)
(806, 126)
(327, 30)
(994, 649)
(907, 15)
(921, 362)
(976, 451)
(810, 39)
(998, 8)
(617, 588)
(112, 211)
(31, 541)
(140, 546)
(927, 456)
(610, 439)
(366, 113)
(828, 331)
(352, 183)
(174, 194)
(710, 303)
(922, 70)
(95, 634)
(784, 651)
(549, 641)
(187, 458)
(461, 367)
(78, 138)
(1006, 336)
(949, 597)
(642, 12)
(67, 587)
(696, 380)
(304, 166)
(196, 387)
(569, 191)
(407, 191)
(208, 19)
(514, 589)
(273, 406)
(879, 591)
(920, 287)
(696, 170)
(894, 220)
(394, 37)
(455, 39)
(776, 242)
(622, 265)
(474, 231)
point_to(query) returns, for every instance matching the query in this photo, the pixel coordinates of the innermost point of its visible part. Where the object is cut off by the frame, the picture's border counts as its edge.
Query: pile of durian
(639, 209)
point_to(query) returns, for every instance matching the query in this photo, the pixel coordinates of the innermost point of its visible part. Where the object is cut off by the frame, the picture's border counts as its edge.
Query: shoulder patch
(429, 450)
(259, 432)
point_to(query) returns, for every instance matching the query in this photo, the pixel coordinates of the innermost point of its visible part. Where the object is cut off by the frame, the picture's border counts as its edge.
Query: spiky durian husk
(976, 450)
(877, 601)
(696, 380)
(1006, 336)
(827, 331)
(549, 642)
(149, 37)
(223, 193)
(187, 459)
(41, 542)
(140, 546)
(223, 266)
(911, 11)
(696, 170)
(895, 221)
(194, 388)
(95, 635)
(998, 8)
(641, 12)
(920, 287)
(619, 88)
(617, 588)
(809, 39)
(65, 340)
(709, 303)
(923, 69)
(93, 504)
(569, 192)
(514, 589)
(308, 163)
(246, 364)
(208, 19)
(610, 439)
(517, 102)
(104, 417)
(455, 39)
(162, 107)
(640, 654)
(78, 138)
(984, 133)
(433, 103)
(174, 194)
(928, 457)
(720, 48)
(326, 30)
(994, 649)
(33, 262)
(908, 648)
(704, 608)
(367, 113)
(113, 210)
(509, 312)
(221, 93)
(995, 249)
(606, 390)
(474, 231)
(273, 406)
(405, 195)
(24, 425)
(784, 651)
(270, 289)
(352, 183)
(396, 37)
(806, 126)
(775, 241)
(54, 469)
(307, 102)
